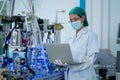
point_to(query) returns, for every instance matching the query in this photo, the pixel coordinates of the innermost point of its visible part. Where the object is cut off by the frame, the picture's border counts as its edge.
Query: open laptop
(61, 52)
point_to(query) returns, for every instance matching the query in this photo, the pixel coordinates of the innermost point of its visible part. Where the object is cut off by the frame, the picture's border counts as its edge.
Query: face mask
(77, 25)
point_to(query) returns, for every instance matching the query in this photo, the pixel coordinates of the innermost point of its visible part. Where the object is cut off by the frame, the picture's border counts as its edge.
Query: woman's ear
(83, 18)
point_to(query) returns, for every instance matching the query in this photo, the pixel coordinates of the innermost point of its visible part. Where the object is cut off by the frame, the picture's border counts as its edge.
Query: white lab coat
(84, 49)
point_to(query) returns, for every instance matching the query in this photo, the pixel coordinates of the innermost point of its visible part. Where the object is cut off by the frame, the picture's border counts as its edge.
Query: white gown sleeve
(88, 61)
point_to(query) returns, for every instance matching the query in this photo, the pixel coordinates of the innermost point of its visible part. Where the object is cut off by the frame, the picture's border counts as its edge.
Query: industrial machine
(24, 56)
(105, 65)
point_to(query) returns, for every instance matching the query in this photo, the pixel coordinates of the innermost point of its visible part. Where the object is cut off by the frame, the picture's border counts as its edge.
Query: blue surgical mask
(77, 25)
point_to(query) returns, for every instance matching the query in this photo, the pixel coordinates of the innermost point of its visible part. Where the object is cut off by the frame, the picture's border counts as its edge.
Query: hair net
(80, 12)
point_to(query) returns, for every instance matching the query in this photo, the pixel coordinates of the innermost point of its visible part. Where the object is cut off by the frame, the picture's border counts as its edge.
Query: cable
(27, 65)
(2, 6)
(29, 6)
(25, 5)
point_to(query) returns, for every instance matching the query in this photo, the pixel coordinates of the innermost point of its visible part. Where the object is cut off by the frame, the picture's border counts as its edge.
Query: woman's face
(74, 17)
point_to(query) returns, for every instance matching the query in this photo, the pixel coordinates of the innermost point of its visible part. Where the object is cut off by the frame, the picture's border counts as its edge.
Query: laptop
(60, 52)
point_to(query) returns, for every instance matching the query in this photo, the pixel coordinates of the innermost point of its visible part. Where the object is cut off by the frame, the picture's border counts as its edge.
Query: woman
(84, 47)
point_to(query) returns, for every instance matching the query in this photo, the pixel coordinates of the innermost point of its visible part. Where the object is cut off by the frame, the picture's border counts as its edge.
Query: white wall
(98, 17)
(103, 17)
(114, 21)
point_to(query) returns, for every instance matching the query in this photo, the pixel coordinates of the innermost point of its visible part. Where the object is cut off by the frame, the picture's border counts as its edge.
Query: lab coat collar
(83, 31)
(80, 33)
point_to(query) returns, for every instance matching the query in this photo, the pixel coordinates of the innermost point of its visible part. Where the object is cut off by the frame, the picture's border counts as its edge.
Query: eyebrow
(80, 16)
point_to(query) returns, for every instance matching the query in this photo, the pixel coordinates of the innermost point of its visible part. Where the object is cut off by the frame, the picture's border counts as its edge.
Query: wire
(25, 5)
(2, 6)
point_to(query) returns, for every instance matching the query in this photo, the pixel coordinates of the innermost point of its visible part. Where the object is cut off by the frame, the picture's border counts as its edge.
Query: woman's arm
(88, 61)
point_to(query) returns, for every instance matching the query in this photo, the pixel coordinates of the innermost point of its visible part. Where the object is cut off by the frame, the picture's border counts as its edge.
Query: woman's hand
(59, 62)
